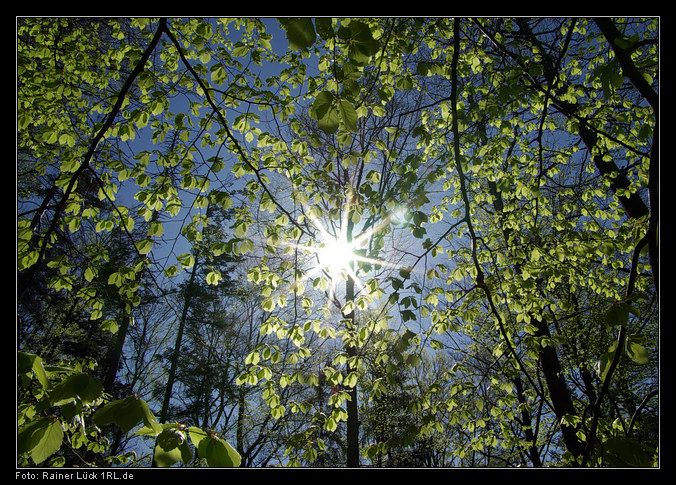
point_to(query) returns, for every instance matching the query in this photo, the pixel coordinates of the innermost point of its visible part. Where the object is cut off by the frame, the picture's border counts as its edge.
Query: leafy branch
(480, 280)
(86, 162)
(617, 318)
(68, 398)
(243, 156)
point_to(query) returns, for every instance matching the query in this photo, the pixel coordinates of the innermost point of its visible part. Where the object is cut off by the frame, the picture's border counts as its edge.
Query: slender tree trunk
(558, 390)
(352, 403)
(116, 354)
(241, 410)
(527, 422)
(177, 346)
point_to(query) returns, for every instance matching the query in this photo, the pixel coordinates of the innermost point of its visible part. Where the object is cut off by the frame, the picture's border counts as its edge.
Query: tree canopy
(338, 242)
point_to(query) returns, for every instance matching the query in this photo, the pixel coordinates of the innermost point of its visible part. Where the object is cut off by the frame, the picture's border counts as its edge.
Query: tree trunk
(241, 410)
(116, 354)
(177, 347)
(526, 423)
(558, 390)
(352, 404)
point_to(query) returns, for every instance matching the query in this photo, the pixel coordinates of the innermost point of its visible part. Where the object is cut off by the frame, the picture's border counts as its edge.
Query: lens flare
(336, 256)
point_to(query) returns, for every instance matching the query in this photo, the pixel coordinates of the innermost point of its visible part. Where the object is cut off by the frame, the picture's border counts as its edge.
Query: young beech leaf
(166, 458)
(172, 447)
(636, 352)
(40, 438)
(29, 364)
(324, 27)
(617, 315)
(361, 43)
(300, 33)
(348, 115)
(603, 364)
(625, 452)
(218, 453)
(327, 116)
(80, 386)
(144, 246)
(214, 277)
(126, 413)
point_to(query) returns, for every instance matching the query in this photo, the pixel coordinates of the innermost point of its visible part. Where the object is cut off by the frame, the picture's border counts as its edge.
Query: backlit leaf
(126, 413)
(299, 32)
(40, 438)
(636, 352)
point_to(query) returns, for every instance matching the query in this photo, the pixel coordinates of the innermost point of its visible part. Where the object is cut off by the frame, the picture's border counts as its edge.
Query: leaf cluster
(70, 403)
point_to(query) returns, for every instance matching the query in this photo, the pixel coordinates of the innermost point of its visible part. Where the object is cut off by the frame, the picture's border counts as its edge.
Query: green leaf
(636, 352)
(299, 32)
(405, 83)
(324, 27)
(322, 104)
(166, 458)
(214, 277)
(218, 74)
(323, 110)
(404, 341)
(187, 261)
(351, 379)
(603, 364)
(617, 315)
(49, 443)
(348, 307)
(330, 424)
(171, 447)
(610, 76)
(625, 452)
(90, 274)
(170, 438)
(268, 304)
(240, 50)
(40, 439)
(253, 358)
(29, 364)
(348, 115)
(218, 453)
(221, 199)
(80, 386)
(240, 228)
(329, 124)
(144, 246)
(408, 315)
(110, 325)
(126, 413)
(196, 435)
(362, 45)
(155, 229)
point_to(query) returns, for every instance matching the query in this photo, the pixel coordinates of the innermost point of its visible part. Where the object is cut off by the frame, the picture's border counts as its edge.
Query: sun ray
(336, 258)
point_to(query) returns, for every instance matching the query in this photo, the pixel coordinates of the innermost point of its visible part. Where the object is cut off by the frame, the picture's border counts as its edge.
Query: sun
(336, 256)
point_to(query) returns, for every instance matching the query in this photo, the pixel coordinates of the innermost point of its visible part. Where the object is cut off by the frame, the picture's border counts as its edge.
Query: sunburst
(337, 256)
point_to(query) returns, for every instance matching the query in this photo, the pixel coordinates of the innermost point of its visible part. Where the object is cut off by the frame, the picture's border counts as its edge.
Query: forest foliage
(338, 242)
